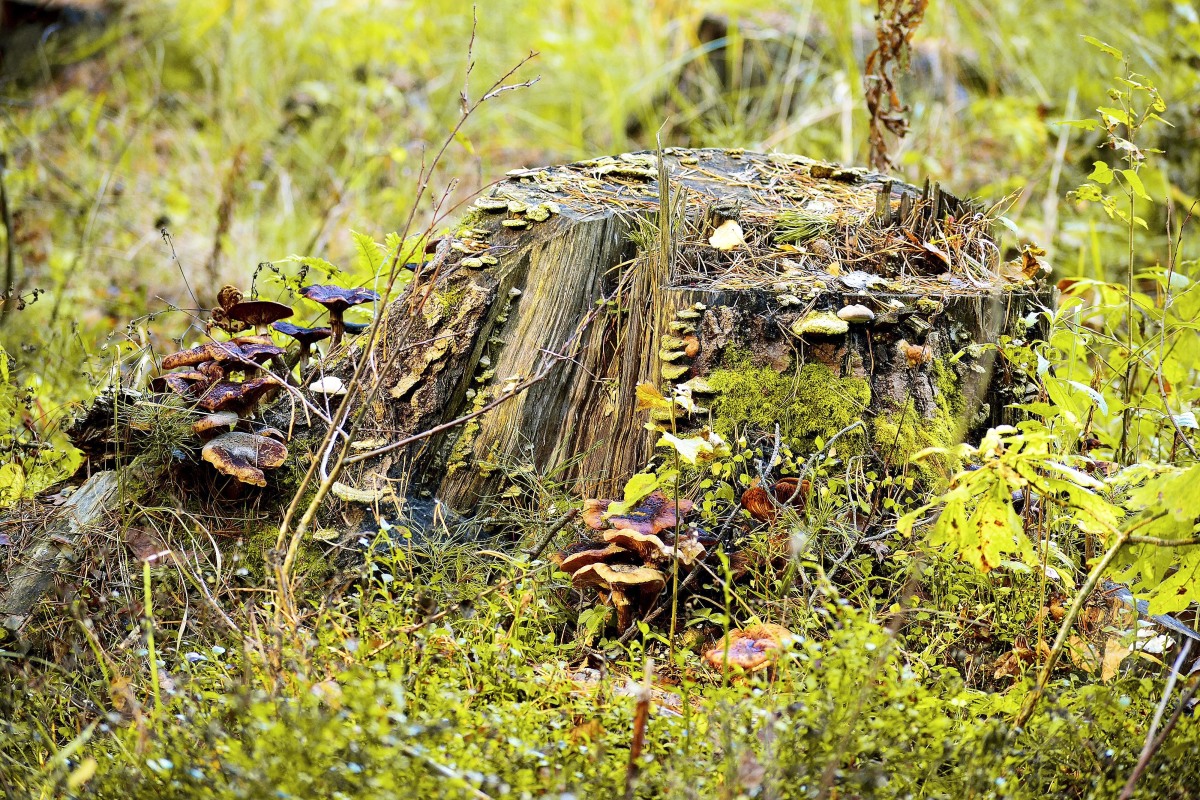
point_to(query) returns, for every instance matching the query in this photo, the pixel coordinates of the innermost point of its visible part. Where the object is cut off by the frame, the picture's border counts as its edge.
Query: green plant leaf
(1104, 47)
(1101, 173)
(1135, 183)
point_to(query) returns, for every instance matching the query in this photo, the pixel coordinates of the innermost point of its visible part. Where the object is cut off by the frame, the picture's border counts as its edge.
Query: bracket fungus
(336, 300)
(211, 424)
(240, 398)
(243, 456)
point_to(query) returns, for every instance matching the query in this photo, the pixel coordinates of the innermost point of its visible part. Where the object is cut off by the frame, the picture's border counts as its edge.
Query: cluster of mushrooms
(625, 564)
(228, 380)
(628, 562)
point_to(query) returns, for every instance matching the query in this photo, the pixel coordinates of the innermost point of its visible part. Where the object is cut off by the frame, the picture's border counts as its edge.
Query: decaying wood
(54, 545)
(519, 279)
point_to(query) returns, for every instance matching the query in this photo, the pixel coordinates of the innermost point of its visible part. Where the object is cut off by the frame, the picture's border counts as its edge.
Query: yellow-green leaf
(1101, 173)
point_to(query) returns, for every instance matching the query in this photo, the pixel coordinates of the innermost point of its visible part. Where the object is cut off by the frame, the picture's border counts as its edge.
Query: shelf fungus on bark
(244, 456)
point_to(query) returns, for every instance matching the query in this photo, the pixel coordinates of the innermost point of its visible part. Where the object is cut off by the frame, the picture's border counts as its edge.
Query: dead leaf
(1114, 654)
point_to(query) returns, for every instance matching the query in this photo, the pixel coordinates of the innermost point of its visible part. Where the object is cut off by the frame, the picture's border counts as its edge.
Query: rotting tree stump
(752, 330)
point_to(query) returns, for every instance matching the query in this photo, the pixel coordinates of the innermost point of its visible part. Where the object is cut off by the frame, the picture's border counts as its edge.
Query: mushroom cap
(209, 351)
(305, 336)
(259, 312)
(228, 297)
(648, 546)
(764, 505)
(181, 383)
(594, 553)
(335, 298)
(631, 589)
(856, 313)
(330, 385)
(355, 328)
(258, 353)
(619, 576)
(653, 513)
(228, 396)
(243, 455)
(751, 649)
(212, 423)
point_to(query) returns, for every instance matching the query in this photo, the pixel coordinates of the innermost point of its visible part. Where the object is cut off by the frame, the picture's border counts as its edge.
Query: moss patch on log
(808, 404)
(898, 435)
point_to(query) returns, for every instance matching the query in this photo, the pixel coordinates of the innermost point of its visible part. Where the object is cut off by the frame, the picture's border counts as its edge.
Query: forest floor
(151, 157)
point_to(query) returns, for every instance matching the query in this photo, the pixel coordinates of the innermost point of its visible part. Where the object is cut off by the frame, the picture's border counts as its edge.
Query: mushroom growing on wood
(751, 649)
(336, 300)
(211, 424)
(631, 589)
(219, 352)
(244, 456)
(183, 383)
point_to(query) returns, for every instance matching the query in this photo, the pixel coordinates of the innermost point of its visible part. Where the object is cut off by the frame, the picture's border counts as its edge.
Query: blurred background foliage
(155, 150)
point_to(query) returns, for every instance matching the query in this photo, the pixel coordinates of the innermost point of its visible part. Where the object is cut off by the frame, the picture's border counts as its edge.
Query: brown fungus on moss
(336, 300)
(212, 424)
(243, 456)
(751, 650)
(185, 383)
(764, 505)
(220, 352)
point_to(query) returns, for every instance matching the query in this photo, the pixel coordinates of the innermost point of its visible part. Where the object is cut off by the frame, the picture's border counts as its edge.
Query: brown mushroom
(220, 352)
(648, 546)
(305, 337)
(211, 424)
(576, 558)
(259, 313)
(764, 505)
(751, 649)
(228, 297)
(631, 589)
(240, 398)
(650, 515)
(182, 383)
(244, 456)
(336, 300)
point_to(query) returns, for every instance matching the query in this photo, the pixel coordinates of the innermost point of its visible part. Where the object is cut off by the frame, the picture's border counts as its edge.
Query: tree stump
(573, 272)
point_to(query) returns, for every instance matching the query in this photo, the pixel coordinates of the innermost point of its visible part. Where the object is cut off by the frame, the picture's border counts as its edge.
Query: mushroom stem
(337, 325)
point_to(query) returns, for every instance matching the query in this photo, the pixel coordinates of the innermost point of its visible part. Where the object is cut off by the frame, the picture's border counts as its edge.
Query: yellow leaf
(12, 483)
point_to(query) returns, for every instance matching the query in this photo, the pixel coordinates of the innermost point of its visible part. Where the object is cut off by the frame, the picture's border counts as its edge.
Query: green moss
(900, 434)
(809, 404)
(310, 561)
